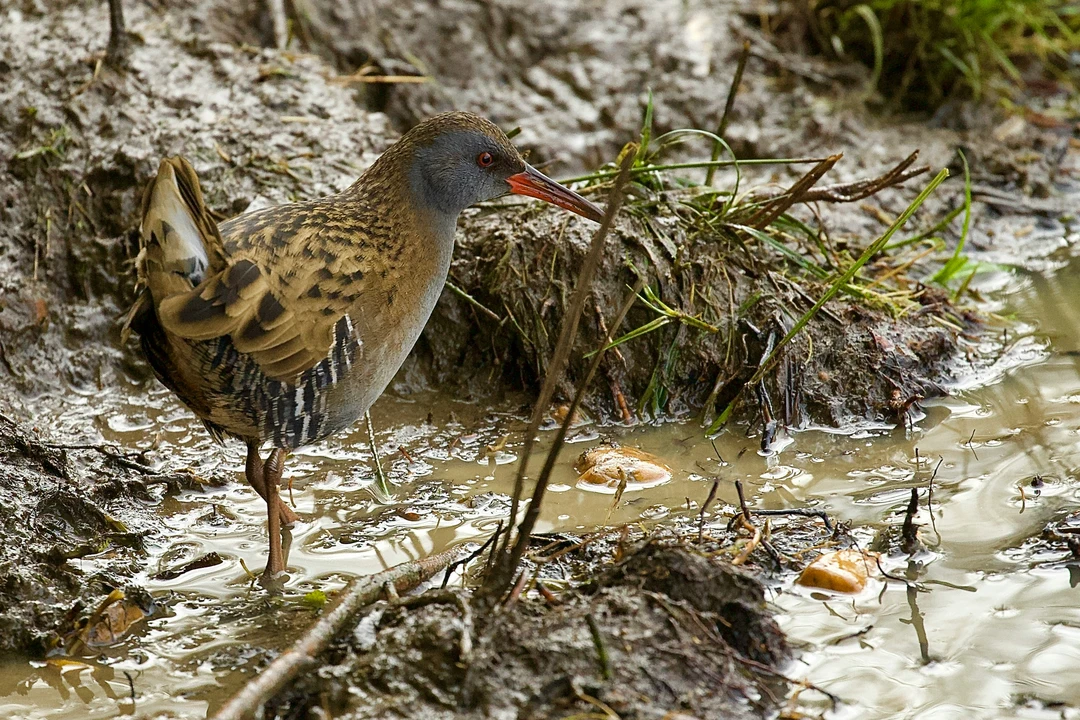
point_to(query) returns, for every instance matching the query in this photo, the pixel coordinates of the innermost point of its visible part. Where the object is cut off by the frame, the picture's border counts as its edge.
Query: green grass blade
(958, 259)
(877, 37)
(645, 329)
(605, 174)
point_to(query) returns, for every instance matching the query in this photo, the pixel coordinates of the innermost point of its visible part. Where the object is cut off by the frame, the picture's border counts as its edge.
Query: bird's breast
(389, 315)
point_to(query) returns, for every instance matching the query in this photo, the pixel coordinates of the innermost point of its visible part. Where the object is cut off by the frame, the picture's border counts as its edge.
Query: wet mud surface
(61, 507)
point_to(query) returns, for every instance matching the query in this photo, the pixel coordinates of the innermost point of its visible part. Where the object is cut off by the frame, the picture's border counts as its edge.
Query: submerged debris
(843, 571)
(614, 466)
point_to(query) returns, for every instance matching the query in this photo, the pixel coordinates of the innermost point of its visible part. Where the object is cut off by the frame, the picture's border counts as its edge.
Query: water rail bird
(282, 326)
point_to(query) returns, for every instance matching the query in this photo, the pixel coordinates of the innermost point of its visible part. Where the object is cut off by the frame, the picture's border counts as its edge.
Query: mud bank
(61, 506)
(664, 630)
(848, 366)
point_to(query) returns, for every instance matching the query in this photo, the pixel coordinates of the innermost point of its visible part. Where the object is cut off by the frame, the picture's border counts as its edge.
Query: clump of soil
(73, 531)
(666, 630)
(849, 364)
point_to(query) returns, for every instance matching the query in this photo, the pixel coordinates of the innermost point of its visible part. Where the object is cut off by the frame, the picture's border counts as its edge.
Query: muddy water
(993, 631)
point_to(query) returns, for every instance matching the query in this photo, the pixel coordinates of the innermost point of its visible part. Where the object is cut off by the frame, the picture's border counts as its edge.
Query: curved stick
(359, 593)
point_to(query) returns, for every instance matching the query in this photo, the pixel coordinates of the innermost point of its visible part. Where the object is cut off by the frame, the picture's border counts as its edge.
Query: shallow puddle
(993, 632)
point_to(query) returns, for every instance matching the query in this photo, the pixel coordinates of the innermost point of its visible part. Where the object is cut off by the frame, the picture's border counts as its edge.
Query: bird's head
(458, 159)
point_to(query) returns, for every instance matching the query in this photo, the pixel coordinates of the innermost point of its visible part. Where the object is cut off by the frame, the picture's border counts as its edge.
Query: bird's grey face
(461, 168)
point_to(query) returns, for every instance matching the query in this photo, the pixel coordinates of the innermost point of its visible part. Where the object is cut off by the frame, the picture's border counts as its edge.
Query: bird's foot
(273, 581)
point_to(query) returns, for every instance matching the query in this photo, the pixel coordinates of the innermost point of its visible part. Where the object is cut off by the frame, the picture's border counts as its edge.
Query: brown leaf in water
(614, 466)
(843, 571)
(114, 624)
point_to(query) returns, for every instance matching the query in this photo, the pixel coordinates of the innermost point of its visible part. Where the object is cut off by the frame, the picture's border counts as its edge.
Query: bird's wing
(287, 322)
(179, 242)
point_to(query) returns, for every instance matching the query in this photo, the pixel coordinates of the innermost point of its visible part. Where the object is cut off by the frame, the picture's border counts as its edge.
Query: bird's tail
(179, 241)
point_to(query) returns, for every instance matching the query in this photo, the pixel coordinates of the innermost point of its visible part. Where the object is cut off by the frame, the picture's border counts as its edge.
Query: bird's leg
(118, 37)
(253, 470)
(272, 470)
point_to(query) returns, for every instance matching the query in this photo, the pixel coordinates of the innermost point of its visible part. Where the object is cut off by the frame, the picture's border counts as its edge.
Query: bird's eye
(485, 159)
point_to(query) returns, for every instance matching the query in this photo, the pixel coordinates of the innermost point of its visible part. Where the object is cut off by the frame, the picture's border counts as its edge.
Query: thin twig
(549, 597)
(780, 204)
(648, 168)
(890, 576)
(507, 560)
(909, 535)
(379, 79)
(531, 515)
(742, 501)
(736, 80)
(515, 592)
(473, 301)
(380, 476)
(861, 189)
(753, 543)
(803, 512)
(479, 551)
(356, 595)
(744, 518)
(704, 508)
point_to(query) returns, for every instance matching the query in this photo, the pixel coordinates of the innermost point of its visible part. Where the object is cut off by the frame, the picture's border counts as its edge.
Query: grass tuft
(923, 52)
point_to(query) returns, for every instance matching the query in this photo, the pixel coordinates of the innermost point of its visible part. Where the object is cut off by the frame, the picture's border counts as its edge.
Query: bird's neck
(406, 198)
(412, 241)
